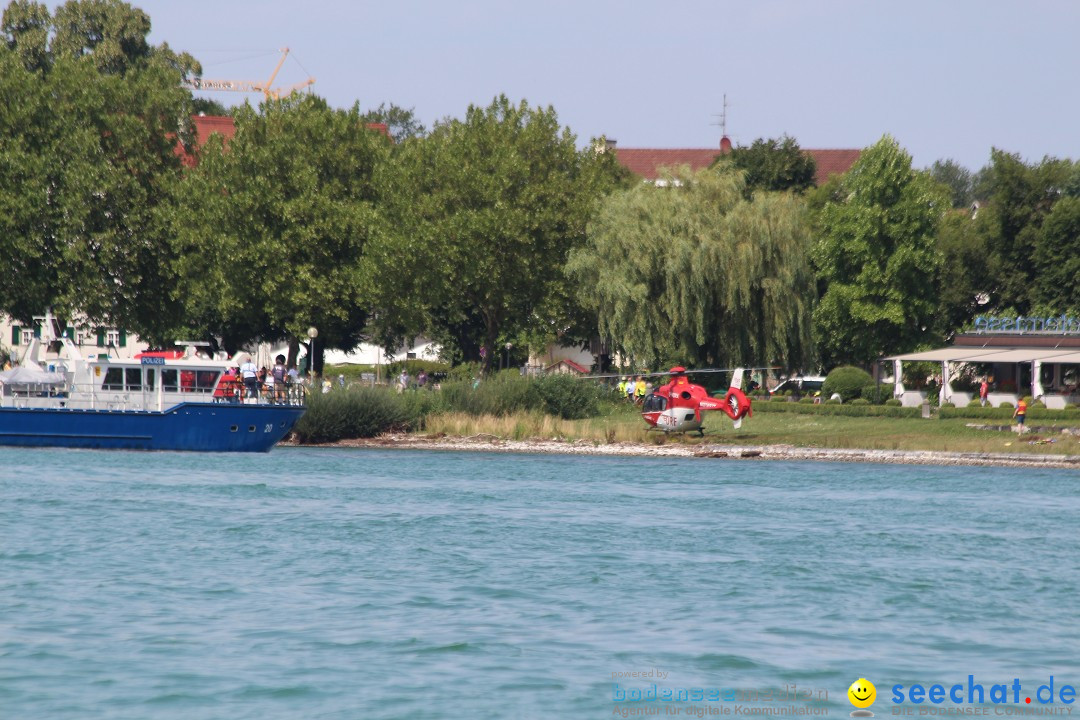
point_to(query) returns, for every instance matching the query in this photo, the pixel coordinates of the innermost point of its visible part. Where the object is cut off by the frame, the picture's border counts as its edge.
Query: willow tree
(695, 272)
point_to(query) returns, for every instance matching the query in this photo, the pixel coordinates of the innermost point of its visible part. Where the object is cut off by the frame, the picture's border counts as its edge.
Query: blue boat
(155, 401)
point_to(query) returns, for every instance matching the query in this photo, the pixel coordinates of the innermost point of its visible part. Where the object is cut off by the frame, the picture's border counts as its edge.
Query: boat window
(114, 379)
(206, 380)
(133, 378)
(151, 374)
(168, 380)
(654, 403)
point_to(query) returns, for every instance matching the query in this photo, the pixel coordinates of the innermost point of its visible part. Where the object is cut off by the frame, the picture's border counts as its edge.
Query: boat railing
(93, 396)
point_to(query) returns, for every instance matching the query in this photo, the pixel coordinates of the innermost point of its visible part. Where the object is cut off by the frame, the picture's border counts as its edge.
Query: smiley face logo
(862, 693)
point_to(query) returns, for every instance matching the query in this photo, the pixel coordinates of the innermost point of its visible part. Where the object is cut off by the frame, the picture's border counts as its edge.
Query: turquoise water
(314, 583)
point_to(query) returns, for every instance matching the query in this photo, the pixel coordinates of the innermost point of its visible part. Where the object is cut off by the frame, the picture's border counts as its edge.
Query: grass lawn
(824, 431)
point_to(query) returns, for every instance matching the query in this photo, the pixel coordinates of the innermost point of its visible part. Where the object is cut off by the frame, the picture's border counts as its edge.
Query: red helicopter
(678, 405)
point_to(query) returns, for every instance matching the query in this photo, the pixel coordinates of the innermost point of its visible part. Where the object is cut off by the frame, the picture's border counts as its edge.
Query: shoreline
(490, 443)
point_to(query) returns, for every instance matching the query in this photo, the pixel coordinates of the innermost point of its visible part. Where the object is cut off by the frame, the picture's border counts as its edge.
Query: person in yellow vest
(639, 390)
(622, 387)
(1020, 413)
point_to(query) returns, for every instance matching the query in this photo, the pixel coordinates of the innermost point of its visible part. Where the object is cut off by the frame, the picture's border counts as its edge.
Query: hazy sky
(947, 78)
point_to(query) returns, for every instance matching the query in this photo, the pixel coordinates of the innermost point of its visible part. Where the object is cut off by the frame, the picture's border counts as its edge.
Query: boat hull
(200, 427)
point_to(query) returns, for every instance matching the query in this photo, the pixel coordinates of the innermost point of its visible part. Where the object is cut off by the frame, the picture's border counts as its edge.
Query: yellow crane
(252, 85)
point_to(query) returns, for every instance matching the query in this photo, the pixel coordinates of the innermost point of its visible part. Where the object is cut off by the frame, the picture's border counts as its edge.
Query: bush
(975, 403)
(852, 409)
(569, 397)
(846, 380)
(807, 401)
(948, 405)
(498, 395)
(860, 401)
(779, 398)
(893, 402)
(1037, 404)
(1006, 405)
(360, 412)
(833, 401)
(874, 393)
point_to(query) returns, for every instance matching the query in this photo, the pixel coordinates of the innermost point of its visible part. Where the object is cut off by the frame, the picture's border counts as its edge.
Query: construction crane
(252, 85)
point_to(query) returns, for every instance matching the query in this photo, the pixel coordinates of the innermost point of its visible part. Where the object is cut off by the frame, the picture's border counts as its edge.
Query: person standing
(279, 373)
(1020, 413)
(403, 381)
(250, 372)
(421, 380)
(984, 391)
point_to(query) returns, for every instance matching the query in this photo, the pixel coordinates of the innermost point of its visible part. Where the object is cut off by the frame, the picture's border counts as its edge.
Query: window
(168, 380)
(112, 338)
(26, 337)
(654, 403)
(133, 378)
(114, 379)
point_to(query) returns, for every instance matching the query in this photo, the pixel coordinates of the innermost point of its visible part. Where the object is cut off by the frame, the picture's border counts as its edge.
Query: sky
(946, 78)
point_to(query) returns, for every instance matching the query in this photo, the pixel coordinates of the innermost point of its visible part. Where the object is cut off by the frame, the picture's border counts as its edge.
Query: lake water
(314, 583)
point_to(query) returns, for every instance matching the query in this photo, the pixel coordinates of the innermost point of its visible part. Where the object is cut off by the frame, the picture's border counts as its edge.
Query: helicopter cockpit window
(654, 403)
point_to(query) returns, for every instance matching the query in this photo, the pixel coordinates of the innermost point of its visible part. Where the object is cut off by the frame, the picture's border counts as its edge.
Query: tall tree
(269, 234)
(1020, 197)
(957, 178)
(90, 124)
(877, 259)
(695, 272)
(774, 165)
(486, 210)
(1057, 258)
(400, 122)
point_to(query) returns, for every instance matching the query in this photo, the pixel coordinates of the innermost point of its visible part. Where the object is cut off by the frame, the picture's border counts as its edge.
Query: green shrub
(807, 401)
(893, 402)
(568, 397)
(1037, 404)
(875, 393)
(948, 405)
(780, 398)
(833, 401)
(360, 412)
(860, 401)
(852, 409)
(975, 403)
(1006, 405)
(499, 395)
(846, 380)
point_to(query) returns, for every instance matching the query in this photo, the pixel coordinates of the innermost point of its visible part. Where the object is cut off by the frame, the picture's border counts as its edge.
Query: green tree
(965, 276)
(400, 122)
(957, 178)
(87, 155)
(877, 259)
(269, 234)
(485, 211)
(1020, 197)
(1057, 258)
(696, 272)
(775, 165)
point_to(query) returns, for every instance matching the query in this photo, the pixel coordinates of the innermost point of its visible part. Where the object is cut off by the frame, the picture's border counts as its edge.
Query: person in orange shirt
(1019, 413)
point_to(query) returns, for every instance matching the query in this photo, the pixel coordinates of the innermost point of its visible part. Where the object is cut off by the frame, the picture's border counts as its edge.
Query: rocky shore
(490, 443)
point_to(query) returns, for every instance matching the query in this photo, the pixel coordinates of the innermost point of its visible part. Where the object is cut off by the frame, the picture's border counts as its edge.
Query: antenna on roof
(725, 142)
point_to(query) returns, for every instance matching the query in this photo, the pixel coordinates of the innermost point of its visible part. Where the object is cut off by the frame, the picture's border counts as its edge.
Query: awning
(945, 354)
(1026, 355)
(991, 355)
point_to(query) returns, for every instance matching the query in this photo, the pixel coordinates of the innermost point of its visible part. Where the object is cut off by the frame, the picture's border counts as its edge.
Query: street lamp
(312, 333)
(508, 346)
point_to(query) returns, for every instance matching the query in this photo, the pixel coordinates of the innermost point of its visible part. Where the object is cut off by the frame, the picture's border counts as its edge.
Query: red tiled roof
(647, 162)
(570, 364)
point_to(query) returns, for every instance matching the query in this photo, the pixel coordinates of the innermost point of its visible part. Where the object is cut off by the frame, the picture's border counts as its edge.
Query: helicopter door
(654, 403)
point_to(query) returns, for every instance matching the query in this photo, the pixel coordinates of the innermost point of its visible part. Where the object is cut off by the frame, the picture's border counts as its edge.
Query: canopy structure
(1034, 355)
